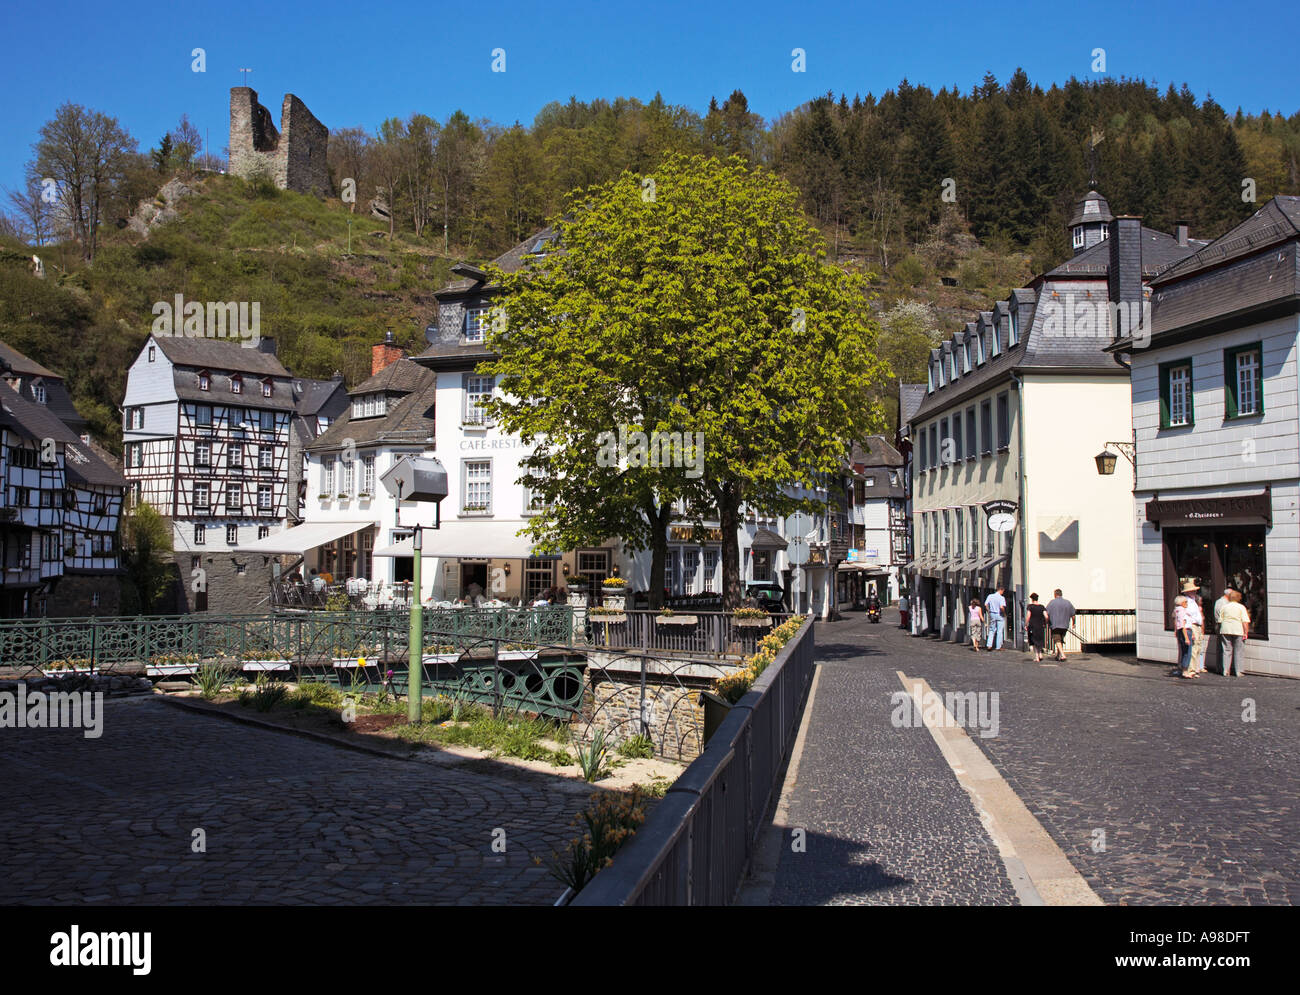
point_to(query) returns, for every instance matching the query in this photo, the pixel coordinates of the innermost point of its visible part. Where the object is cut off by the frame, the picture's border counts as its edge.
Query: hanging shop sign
(1001, 515)
(1245, 509)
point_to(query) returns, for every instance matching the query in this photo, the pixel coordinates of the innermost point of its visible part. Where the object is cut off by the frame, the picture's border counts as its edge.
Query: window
(477, 496)
(1176, 409)
(202, 454)
(690, 569)
(236, 385)
(263, 497)
(535, 500)
(946, 527)
(986, 428)
(987, 533)
(203, 415)
(959, 545)
(265, 457)
(923, 454)
(996, 345)
(762, 565)
(234, 499)
(965, 356)
(970, 432)
(327, 478)
(263, 531)
(152, 352)
(1243, 378)
(934, 444)
(201, 498)
(945, 443)
(205, 381)
(952, 364)
(236, 452)
(973, 542)
(539, 576)
(346, 477)
(476, 323)
(478, 391)
(711, 571)
(266, 421)
(1004, 421)
(232, 535)
(1078, 237)
(929, 379)
(979, 350)
(38, 393)
(1015, 326)
(199, 531)
(956, 436)
(266, 388)
(368, 475)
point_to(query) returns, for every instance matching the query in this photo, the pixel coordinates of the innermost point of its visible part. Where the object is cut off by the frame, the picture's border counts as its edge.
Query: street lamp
(1106, 462)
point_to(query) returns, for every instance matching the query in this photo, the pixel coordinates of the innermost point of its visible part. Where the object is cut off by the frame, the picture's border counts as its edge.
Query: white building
(1216, 418)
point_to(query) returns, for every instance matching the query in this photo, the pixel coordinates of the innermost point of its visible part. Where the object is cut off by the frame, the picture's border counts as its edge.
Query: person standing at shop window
(995, 607)
(1193, 595)
(1234, 630)
(1183, 633)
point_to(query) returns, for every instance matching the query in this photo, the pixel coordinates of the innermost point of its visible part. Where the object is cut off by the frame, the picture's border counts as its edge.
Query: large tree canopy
(695, 301)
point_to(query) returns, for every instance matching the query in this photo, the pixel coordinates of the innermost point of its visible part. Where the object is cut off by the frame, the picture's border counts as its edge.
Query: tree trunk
(659, 518)
(729, 520)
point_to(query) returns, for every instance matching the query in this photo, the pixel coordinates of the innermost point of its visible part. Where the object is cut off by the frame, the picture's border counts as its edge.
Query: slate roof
(315, 394)
(410, 418)
(509, 262)
(1277, 221)
(186, 382)
(1159, 251)
(214, 354)
(447, 354)
(1102, 213)
(23, 364)
(880, 485)
(910, 398)
(34, 421)
(400, 377)
(874, 450)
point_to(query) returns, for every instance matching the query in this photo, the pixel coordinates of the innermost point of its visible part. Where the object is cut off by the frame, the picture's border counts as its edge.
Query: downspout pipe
(1018, 380)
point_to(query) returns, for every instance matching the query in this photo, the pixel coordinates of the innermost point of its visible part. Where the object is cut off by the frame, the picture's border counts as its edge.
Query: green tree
(699, 302)
(146, 549)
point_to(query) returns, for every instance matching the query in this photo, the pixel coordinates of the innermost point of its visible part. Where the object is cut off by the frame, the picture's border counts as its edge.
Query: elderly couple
(1230, 616)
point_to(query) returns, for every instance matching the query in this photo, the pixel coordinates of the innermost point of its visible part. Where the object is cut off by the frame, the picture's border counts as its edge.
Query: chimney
(385, 354)
(1180, 232)
(266, 344)
(1124, 275)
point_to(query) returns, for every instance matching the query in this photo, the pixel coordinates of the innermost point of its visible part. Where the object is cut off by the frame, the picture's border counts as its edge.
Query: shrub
(639, 746)
(733, 686)
(591, 757)
(213, 677)
(609, 821)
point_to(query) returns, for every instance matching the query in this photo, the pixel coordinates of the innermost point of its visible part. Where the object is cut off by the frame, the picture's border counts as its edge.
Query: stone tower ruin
(293, 157)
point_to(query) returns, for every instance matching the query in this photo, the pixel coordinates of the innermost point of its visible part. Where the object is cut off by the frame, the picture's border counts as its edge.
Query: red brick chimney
(385, 354)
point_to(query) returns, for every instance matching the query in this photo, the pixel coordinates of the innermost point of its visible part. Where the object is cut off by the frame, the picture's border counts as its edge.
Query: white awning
(468, 540)
(301, 538)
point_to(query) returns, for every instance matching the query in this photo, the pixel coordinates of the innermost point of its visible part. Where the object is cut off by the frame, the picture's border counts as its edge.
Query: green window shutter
(1191, 396)
(1259, 380)
(1164, 397)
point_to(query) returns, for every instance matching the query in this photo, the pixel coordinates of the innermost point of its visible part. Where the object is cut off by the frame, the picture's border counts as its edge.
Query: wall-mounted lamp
(506, 568)
(564, 569)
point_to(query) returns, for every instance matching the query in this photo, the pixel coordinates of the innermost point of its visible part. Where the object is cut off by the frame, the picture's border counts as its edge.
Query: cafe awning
(301, 538)
(480, 541)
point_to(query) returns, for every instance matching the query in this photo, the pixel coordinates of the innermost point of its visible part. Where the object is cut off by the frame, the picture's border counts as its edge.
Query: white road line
(1038, 868)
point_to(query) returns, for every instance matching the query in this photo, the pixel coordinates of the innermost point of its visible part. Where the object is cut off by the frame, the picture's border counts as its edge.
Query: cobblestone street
(287, 820)
(1157, 790)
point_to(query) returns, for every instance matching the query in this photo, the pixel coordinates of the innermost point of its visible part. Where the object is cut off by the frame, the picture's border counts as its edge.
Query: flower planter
(751, 623)
(577, 599)
(615, 617)
(264, 665)
(615, 600)
(171, 669)
(517, 655)
(430, 659)
(676, 619)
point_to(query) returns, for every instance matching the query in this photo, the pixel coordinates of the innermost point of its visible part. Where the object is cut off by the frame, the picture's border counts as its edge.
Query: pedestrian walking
(1234, 630)
(1183, 633)
(902, 610)
(975, 624)
(1192, 591)
(995, 607)
(1060, 613)
(1036, 626)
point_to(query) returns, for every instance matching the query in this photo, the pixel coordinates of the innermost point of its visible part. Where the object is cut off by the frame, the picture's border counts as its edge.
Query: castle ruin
(293, 157)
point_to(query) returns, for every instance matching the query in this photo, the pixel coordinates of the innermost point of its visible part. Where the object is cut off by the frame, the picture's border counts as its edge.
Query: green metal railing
(295, 638)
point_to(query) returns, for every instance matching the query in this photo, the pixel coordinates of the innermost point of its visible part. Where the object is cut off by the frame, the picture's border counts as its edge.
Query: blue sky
(355, 63)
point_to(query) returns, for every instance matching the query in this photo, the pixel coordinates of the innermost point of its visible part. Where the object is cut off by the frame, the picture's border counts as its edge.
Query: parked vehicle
(770, 597)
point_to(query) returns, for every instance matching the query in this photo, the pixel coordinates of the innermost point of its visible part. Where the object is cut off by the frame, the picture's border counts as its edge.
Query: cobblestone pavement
(1157, 789)
(886, 822)
(287, 820)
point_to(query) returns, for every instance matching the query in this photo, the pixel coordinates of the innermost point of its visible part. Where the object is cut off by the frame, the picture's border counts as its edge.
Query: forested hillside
(871, 172)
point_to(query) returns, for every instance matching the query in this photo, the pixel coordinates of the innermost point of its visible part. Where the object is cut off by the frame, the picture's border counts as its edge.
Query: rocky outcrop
(149, 214)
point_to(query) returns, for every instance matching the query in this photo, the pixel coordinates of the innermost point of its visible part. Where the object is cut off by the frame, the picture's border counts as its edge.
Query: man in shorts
(1060, 613)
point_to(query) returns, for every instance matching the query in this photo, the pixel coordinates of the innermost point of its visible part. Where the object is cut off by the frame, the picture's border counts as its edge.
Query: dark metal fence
(697, 843)
(716, 633)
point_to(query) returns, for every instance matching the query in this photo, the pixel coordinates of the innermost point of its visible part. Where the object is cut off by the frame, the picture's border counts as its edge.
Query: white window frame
(1180, 390)
(235, 490)
(472, 413)
(1247, 384)
(476, 323)
(265, 497)
(476, 487)
(368, 474)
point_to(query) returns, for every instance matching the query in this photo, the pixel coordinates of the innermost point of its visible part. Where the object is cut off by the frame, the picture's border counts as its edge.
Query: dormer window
(952, 365)
(929, 379)
(369, 405)
(153, 351)
(205, 381)
(236, 385)
(965, 356)
(997, 346)
(38, 393)
(266, 388)
(979, 350)
(1015, 327)
(476, 322)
